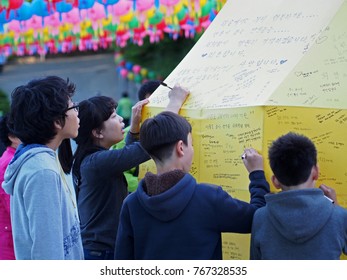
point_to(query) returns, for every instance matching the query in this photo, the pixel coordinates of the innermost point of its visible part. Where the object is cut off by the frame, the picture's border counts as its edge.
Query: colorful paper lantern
(143, 72)
(136, 69)
(138, 78)
(124, 72)
(130, 76)
(25, 11)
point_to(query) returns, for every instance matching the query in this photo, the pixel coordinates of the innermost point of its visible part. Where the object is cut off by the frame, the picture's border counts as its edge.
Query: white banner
(133, 270)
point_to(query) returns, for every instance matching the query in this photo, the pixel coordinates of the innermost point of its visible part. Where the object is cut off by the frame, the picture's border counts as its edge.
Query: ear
(179, 148)
(315, 173)
(58, 124)
(97, 133)
(275, 182)
(14, 140)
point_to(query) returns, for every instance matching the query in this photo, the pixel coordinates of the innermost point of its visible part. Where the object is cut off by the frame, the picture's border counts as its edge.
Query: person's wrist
(175, 108)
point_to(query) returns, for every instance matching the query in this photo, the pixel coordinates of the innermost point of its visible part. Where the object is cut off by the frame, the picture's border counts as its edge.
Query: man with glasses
(44, 215)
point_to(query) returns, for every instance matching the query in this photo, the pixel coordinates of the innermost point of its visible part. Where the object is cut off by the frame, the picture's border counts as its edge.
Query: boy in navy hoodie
(171, 216)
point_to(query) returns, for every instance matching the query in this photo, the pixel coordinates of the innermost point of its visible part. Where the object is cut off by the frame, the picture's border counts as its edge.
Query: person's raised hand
(136, 115)
(252, 160)
(329, 192)
(177, 96)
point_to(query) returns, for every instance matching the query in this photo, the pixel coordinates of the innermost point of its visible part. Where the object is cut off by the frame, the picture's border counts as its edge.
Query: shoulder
(45, 160)
(340, 212)
(260, 216)
(42, 158)
(131, 199)
(212, 191)
(209, 187)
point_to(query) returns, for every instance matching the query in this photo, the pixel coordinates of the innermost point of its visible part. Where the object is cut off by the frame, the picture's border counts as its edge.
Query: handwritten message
(262, 69)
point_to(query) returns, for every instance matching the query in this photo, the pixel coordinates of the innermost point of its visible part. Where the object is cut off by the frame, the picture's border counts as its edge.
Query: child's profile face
(112, 130)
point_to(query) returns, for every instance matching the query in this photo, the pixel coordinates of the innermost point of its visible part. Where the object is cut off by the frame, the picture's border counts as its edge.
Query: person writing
(299, 222)
(171, 216)
(98, 170)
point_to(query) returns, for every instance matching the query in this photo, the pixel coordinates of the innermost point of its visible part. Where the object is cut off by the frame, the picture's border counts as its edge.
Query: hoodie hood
(168, 205)
(297, 214)
(22, 155)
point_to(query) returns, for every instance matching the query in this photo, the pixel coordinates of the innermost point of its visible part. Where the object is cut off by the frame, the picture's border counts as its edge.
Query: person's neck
(303, 186)
(102, 144)
(164, 168)
(54, 144)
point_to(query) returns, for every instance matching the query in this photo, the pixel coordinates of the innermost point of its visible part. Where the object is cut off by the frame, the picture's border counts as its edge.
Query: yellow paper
(262, 69)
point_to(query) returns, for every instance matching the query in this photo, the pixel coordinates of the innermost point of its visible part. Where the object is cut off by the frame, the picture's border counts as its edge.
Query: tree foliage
(161, 57)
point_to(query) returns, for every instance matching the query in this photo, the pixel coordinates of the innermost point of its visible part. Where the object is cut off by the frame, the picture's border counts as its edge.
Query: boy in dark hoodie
(171, 216)
(299, 222)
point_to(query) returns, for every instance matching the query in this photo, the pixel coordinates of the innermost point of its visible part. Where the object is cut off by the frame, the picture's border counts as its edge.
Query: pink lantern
(82, 45)
(71, 17)
(35, 22)
(96, 12)
(124, 73)
(144, 5)
(14, 25)
(169, 3)
(52, 20)
(136, 69)
(121, 8)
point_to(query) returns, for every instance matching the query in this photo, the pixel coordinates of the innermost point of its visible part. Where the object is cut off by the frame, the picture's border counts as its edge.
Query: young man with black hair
(171, 216)
(44, 216)
(299, 222)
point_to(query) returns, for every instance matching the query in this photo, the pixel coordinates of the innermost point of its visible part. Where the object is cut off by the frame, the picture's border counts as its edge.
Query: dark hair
(92, 114)
(36, 106)
(158, 135)
(147, 88)
(292, 157)
(125, 94)
(4, 131)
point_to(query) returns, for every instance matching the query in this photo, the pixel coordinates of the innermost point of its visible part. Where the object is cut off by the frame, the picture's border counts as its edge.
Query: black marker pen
(165, 85)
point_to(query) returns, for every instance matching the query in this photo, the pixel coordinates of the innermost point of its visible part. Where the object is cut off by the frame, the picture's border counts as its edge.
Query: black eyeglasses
(75, 107)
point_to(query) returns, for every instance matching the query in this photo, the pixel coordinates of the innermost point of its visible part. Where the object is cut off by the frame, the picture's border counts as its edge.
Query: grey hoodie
(44, 220)
(299, 224)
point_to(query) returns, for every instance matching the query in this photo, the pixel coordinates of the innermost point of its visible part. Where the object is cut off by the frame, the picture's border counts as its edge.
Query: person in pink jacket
(6, 242)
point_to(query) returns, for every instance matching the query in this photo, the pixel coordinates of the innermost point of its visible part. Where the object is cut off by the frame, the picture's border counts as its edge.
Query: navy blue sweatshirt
(102, 191)
(185, 221)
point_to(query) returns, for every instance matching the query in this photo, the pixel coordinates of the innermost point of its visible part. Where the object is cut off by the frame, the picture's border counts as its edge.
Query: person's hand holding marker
(329, 193)
(252, 160)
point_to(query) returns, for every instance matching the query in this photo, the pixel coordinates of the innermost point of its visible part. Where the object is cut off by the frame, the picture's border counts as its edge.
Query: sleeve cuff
(257, 174)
